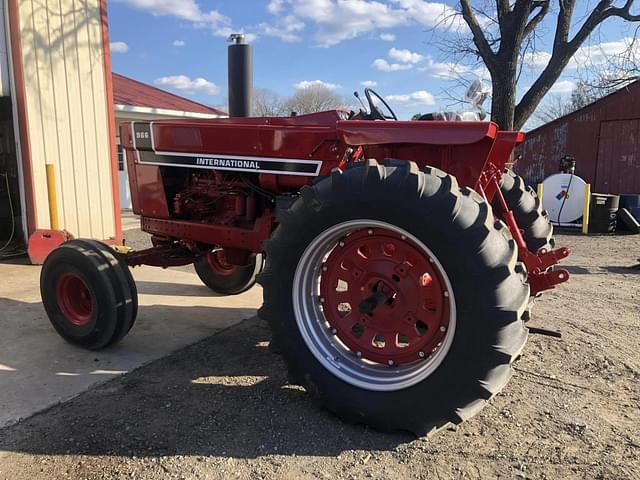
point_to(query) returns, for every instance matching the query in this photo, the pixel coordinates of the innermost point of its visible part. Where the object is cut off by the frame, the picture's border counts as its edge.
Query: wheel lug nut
(446, 294)
(403, 237)
(322, 300)
(334, 331)
(391, 363)
(359, 354)
(341, 244)
(324, 268)
(426, 280)
(370, 232)
(443, 328)
(421, 354)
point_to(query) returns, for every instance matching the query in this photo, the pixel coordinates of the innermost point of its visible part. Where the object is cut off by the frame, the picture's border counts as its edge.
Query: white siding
(67, 108)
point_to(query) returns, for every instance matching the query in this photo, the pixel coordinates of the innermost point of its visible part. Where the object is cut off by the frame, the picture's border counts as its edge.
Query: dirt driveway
(222, 408)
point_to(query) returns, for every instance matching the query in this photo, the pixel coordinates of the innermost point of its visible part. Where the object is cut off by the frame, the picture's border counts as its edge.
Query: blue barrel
(632, 203)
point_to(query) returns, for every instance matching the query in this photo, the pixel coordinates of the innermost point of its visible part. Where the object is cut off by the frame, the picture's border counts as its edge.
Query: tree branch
(625, 12)
(503, 9)
(537, 18)
(564, 49)
(479, 38)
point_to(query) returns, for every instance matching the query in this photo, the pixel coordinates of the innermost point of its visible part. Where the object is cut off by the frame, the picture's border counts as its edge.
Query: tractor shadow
(147, 287)
(224, 396)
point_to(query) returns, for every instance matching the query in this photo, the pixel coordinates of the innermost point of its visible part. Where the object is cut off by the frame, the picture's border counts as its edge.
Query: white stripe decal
(212, 157)
(276, 172)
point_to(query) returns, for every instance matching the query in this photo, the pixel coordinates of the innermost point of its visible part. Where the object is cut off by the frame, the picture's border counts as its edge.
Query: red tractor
(400, 257)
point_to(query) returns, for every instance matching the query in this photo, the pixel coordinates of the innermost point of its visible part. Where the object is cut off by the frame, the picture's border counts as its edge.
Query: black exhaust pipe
(240, 76)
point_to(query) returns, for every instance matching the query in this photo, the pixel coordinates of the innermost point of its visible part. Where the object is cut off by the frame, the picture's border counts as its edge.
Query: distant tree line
(310, 99)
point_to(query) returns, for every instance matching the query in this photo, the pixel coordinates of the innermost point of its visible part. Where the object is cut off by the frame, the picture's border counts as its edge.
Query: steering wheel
(376, 113)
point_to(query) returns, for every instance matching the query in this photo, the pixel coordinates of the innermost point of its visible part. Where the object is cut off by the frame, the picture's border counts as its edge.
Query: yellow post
(586, 201)
(53, 197)
(540, 191)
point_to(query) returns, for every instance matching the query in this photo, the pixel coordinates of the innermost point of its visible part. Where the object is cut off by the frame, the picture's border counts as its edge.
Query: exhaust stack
(240, 76)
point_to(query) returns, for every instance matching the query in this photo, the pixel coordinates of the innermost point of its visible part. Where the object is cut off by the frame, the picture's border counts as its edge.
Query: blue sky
(397, 46)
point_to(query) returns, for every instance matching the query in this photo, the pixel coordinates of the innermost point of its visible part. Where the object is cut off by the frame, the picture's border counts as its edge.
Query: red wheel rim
(218, 263)
(384, 298)
(74, 299)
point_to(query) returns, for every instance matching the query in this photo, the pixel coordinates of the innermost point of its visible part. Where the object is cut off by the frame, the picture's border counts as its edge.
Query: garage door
(618, 166)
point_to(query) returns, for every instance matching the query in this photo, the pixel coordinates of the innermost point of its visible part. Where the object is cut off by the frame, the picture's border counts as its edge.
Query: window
(121, 158)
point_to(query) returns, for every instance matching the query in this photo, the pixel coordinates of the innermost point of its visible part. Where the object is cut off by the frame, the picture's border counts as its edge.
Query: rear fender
(474, 152)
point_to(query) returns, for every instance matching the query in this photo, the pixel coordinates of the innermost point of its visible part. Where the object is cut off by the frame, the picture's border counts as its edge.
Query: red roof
(127, 91)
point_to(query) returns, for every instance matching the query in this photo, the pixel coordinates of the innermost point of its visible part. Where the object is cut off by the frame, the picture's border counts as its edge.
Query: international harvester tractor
(397, 259)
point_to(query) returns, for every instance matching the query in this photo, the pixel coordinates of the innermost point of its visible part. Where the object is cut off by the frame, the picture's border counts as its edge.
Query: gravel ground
(222, 408)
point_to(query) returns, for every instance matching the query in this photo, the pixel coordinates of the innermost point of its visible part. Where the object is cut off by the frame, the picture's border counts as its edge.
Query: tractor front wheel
(224, 278)
(88, 294)
(394, 298)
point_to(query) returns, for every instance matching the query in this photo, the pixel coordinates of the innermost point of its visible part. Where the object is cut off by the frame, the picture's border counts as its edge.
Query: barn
(604, 138)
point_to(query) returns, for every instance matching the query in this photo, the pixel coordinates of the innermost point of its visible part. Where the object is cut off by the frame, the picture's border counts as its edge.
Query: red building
(604, 138)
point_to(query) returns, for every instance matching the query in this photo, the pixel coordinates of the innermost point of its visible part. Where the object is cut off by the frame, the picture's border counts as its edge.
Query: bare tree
(267, 103)
(555, 107)
(501, 40)
(618, 71)
(314, 98)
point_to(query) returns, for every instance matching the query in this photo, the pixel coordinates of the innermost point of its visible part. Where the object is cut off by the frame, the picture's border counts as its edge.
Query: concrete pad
(130, 221)
(39, 369)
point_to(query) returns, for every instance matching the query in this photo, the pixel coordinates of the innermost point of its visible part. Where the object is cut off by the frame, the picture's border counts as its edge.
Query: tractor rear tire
(532, 219)
(527, 209)
(394, 297)
(86, 294)
(224, 278)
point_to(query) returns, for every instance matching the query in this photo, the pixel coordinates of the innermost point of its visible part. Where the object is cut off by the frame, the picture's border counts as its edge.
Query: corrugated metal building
(57, 99)
(604, 137)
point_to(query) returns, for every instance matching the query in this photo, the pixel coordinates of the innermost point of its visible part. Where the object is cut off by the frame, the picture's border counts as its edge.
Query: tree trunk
(503, 99)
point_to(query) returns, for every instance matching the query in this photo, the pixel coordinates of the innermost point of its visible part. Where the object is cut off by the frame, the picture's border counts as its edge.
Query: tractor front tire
(394, 297)
(89, 296)
(224, 278)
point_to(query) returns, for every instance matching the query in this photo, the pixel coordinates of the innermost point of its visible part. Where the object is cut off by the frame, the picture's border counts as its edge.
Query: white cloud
(286, 29)
(185, 84)
(421, 97)
(184, 9)
(275, 6)
(189, 10)
(314, 83)
(387, 37)
(119, 47)
(179, 43)
(536, 60)
(339, 20)
(563, 86)
(368, 83)
(405, 56)
(384, 66)
(588, 55)
(453, 71)
(601, 53)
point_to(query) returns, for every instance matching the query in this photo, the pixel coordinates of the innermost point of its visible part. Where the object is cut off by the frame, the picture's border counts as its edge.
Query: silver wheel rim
(333, 354)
